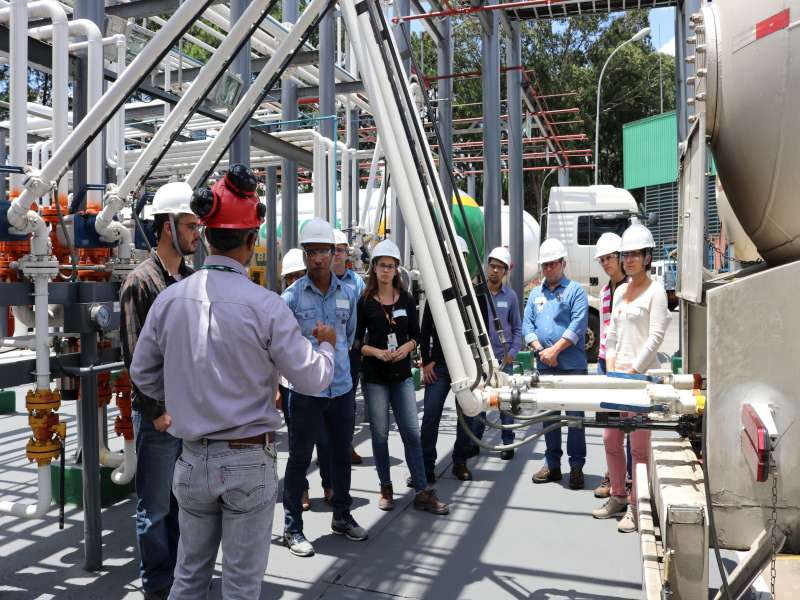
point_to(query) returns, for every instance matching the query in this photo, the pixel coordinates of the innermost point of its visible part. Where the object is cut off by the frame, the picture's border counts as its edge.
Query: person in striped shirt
(607, 254)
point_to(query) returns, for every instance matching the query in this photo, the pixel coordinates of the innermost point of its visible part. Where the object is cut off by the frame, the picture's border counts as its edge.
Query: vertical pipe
(516, 200)
(563, 177)
(327, 108)
(403, 8)
(352, 143)
(18, 80)
(491, 132)
(444, 68)
(3, 158)
(272, 230)
(90, 444)
(289, 167)
(240, 147)
(471, 186)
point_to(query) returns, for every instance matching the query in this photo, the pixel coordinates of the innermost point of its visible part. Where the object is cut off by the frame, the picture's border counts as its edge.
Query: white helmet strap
(173, 226)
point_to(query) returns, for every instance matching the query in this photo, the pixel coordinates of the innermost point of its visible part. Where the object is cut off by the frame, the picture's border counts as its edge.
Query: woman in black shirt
(386, 334)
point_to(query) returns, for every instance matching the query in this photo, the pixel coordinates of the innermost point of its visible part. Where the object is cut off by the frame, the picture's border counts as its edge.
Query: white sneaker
(614, 506)
(628, 523)
(298, 544)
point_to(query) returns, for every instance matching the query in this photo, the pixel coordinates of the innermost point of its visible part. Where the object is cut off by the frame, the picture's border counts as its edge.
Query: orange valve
(123, 424)
(42, 400)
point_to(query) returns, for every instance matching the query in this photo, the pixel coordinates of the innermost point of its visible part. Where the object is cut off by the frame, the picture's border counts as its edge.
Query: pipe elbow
(124, 473)
(470, 401)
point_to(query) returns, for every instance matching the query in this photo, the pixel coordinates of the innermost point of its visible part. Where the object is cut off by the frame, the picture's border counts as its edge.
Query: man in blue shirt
(315, 299)
(507, 306)
(554, 326)
(356, 284)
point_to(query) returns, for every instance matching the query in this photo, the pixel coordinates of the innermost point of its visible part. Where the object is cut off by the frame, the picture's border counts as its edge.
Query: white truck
(578, 216)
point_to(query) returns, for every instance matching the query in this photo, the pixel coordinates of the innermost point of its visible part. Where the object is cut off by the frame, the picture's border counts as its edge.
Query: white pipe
(124, 473)
(107, 457)
(57, 166)
(43, 499)
(18, 100)
(41, 329)
(36, 156)
(250, 100)
(462, 368)
(115, 136)
(373, 168)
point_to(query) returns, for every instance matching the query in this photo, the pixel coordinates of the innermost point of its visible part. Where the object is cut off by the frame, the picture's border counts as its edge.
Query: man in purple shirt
(507, 306)
(211, 350)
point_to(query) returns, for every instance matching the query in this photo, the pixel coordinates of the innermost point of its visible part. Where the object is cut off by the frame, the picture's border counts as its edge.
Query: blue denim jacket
(354, 282)
(337, 308)
(562, 312)
(507, 306)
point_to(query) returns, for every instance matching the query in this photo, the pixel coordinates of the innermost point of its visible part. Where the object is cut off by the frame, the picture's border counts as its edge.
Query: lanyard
(223, 268)
(389, 319)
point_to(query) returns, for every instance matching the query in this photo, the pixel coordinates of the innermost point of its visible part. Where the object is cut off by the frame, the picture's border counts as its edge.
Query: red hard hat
(231, 203)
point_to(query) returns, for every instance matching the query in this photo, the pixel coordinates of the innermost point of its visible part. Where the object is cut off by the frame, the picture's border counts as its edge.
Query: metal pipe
(444, 66)
(469, 10)
(516, 199)
(90, 451)
(18, 97)
(44, 497)
(491, 132)
(98, 116)
(250, 101)
(41, 328)
(240, 146)
(107, 457)
(272, 229)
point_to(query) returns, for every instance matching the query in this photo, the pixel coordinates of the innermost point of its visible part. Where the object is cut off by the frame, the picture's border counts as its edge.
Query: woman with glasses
(638, 323)
(386, 334)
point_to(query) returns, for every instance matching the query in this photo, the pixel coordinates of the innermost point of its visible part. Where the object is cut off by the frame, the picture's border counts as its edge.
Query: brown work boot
(576, 479)
(305, 501)
(604, 489)
(386, 501)
(546, 475)
(327, 494)
(461, 472)
(427, 500)
(355, 457)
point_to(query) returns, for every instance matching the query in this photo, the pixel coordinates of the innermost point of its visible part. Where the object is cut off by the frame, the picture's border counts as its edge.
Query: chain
(773, 521)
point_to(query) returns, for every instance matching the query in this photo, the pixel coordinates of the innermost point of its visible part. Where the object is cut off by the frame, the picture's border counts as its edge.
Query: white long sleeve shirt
(637, 328)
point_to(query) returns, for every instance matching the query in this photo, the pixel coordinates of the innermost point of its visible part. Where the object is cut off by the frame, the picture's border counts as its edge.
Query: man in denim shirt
(321, 298)
(554, 325)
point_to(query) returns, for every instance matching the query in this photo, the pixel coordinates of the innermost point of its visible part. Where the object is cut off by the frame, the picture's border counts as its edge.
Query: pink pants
(614, 440)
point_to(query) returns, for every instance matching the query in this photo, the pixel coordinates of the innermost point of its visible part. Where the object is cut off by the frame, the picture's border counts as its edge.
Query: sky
(662, 29)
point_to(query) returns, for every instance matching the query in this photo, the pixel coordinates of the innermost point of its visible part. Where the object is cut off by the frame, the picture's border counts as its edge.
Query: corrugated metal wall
(650, 151)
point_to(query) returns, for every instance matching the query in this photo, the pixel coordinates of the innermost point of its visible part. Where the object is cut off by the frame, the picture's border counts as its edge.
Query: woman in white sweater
(639, 320)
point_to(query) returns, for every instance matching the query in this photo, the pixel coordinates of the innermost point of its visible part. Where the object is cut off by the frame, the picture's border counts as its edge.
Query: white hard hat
(292, 262)
(461, 244)
(340, 237)
(172, 199)
(608, 243)
(386, 248)
(317, 231)
(502, 254)
(636, 237)
(550, 250)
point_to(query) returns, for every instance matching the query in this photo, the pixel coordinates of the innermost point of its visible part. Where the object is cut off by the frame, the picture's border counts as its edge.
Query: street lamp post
(639, 35)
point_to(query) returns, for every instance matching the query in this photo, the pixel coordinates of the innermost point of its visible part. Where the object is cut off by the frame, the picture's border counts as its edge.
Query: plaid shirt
(137, 295)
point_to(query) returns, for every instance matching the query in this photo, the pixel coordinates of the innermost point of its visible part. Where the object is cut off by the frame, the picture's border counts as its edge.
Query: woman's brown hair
(372, 281)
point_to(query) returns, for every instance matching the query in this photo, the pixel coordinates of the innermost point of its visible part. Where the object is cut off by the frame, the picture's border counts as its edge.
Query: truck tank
(753, 91)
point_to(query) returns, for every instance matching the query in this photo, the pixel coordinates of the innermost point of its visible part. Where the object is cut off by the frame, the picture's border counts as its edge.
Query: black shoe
(507, 455)
(546, 475)
(161, 594)
(576, 479)
(462, 472)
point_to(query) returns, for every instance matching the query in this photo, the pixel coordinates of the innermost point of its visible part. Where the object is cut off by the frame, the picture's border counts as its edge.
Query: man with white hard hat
(349, 278)
(507, 307)
(177, 231)
(554, 327)
(292, 267)
(212, 349)
(316, 298)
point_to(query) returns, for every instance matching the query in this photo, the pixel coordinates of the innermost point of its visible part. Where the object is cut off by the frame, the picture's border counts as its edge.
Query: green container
(110, 492)
(417, 375)
(8, 402)
(525, 360)
(677, 364)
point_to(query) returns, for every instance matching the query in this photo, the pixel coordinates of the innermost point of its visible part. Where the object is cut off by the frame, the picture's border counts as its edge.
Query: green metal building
(650, 161)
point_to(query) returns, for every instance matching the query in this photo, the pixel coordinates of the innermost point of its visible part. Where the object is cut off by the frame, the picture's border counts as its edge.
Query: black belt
(254, 440)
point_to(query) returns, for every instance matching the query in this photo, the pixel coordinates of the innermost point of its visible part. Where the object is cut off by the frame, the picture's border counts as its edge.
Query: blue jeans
(309, 416)
(507, 435)
(576, 436)
(433, 402)
(402, 398)
(601, 370)
(226, 495)
(322, 443)
(157, 528)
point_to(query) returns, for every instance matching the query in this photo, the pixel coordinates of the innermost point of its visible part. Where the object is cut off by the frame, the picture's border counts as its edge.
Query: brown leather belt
(255, 440)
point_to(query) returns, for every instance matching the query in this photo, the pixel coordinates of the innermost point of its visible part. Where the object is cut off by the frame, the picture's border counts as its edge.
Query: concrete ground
(504, 538)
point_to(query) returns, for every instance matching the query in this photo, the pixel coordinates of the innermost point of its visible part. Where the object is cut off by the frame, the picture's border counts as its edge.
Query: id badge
(391, 342)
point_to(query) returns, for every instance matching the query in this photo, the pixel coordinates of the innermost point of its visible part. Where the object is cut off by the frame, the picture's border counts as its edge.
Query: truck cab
(578, 216)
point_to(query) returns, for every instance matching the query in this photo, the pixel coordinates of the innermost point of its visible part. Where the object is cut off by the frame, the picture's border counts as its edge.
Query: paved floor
(505, 537)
